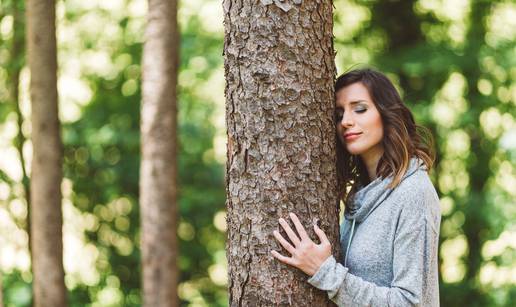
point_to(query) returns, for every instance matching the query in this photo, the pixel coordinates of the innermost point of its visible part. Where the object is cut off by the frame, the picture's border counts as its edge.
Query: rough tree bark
(158, 167)
(46, 173)
(279, 68)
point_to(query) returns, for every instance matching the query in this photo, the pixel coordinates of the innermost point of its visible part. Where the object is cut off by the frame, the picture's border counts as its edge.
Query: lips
(351, 135)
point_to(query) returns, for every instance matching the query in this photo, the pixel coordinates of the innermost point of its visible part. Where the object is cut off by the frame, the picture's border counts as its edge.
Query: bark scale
(46, 174)
(279, 69)
(158, 167)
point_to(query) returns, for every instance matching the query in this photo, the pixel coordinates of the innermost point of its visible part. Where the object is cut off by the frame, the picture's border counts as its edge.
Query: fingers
(291, 234)
(322, 236)
(299, 227)
(282, 258)
(284, 242)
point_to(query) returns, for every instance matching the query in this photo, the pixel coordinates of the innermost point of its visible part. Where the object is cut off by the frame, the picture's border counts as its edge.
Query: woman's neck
(371, 159)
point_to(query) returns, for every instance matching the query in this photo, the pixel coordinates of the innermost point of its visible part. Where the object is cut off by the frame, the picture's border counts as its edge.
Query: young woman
(392, 216)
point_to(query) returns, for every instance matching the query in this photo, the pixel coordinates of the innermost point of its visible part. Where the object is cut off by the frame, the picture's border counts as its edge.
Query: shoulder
(417, 186)
(418, 199)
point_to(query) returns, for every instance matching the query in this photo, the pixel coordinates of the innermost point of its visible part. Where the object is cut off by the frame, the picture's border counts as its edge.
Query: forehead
(352, 93)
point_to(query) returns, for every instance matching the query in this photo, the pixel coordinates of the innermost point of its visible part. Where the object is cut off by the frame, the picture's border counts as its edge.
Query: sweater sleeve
(346, 289)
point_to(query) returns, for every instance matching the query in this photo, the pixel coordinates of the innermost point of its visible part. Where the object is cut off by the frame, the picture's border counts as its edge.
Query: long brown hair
(402, 138)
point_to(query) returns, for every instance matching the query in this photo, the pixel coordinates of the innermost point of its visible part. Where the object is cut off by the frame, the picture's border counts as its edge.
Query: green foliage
(18, 292)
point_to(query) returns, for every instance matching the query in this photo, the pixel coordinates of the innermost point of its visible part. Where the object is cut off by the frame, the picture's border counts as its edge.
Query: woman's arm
(410, 260)
(346, 289)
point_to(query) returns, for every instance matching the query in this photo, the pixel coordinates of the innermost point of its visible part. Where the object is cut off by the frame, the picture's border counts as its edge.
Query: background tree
(46, 172)
(158, 188)
(279, 65)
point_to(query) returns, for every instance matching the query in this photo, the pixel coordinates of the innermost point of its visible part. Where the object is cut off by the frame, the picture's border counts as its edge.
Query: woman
(392, 216)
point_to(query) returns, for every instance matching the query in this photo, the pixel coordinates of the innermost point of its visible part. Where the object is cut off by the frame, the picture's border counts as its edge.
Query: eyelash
(338, 116)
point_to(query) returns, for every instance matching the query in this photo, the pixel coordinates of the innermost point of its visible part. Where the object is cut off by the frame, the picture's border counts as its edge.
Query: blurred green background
(453, 61)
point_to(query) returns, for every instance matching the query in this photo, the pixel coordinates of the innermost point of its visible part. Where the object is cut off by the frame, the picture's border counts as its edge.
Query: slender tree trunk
(158, 167)
(279, 67)
(46, 173)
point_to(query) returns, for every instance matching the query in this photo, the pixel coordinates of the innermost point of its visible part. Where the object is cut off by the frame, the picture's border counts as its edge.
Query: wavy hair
(402, 138)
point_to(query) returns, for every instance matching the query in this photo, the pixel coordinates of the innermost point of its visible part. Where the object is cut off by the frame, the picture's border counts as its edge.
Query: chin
(354, 150)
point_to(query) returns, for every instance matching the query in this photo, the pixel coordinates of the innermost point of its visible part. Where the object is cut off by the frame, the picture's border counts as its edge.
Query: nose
(347, 120)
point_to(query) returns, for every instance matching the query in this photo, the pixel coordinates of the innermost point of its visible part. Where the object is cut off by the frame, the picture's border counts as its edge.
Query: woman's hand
(306, 255)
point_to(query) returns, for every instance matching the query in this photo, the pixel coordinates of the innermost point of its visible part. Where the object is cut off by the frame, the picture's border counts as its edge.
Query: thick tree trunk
(46, 174)
(279, 65)
(158, 167)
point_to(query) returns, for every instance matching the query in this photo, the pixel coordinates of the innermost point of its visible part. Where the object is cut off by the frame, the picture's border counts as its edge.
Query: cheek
(375, 126)
(378, 130)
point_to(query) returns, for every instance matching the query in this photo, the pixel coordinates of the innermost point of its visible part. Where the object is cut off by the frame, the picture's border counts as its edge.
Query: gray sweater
(393, 237)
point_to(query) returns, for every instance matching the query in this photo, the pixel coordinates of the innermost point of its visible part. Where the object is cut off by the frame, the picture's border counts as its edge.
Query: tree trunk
(158, 167)
(279, 67)
(46, 173)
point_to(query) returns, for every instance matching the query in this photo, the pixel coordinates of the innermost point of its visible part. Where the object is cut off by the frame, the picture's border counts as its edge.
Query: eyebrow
(356, 102)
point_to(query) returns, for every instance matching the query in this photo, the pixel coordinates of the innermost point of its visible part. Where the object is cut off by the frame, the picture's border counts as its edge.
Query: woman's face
(359, 124)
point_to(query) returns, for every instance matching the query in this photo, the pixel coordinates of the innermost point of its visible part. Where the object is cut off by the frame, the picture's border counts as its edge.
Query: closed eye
(339, 113)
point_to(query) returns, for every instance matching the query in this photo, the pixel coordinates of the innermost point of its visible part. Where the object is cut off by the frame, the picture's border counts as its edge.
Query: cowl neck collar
(369, 197)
